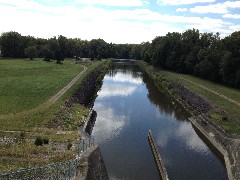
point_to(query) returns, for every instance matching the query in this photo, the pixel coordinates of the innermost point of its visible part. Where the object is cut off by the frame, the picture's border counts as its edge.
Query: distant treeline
(202, 54)
(15, 45)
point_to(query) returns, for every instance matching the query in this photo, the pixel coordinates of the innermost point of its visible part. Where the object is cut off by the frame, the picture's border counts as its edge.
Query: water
(127, 106)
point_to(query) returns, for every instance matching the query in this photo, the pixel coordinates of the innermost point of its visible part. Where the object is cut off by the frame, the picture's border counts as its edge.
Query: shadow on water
(166, 103)
(91, 123)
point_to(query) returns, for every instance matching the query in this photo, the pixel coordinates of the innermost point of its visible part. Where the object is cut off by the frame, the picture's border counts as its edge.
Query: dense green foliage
(15, 45)
(202, 54)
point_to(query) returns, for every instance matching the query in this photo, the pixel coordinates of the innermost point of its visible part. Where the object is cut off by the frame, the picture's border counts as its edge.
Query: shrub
(69, 146)
(38, 141)
(22, 136)
(45, 140)
(224, 118)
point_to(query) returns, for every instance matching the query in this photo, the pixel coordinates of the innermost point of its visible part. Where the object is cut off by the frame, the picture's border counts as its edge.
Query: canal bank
(127, 106)
(198, 107)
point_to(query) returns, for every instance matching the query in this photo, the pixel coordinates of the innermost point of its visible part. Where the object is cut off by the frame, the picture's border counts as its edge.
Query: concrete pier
(157, 157)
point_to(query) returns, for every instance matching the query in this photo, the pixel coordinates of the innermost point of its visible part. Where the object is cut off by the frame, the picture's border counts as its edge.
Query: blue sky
(118, 21)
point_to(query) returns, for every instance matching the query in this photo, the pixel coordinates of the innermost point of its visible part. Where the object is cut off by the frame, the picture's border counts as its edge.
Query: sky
(118, 21)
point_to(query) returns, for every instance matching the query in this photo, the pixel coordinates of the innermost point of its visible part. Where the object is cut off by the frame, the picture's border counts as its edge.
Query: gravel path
(55, 97)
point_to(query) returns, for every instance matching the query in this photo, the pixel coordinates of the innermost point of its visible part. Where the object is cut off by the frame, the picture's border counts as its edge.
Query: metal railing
(59, 171)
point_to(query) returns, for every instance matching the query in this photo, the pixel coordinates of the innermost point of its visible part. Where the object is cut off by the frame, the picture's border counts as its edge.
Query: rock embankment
(196, 102)
(85, 94)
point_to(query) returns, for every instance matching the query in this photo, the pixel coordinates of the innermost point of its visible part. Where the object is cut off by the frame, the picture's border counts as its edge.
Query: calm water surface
(127, 106)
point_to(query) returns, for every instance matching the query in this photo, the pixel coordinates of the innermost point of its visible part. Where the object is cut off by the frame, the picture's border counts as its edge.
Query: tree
(31, 52)
(136, 51)
(97, 49)
(57, 47)
(45, 52)
(10, 42)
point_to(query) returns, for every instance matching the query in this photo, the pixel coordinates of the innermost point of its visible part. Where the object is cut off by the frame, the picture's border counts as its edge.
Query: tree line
(205, 55)
(13, 44)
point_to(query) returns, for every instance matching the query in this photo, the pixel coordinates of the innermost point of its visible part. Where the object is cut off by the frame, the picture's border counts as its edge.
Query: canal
(128, 106)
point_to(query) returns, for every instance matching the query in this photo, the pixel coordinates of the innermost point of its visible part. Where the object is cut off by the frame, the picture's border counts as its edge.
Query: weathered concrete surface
(157, 157)
(92, 166)
(228, 147)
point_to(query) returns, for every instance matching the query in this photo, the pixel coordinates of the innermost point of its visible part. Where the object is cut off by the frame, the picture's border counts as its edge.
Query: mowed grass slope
(222, 108)
(26, 84)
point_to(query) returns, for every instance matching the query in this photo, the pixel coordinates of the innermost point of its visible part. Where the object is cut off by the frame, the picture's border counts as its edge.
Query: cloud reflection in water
(109, 124)
(109, 90)
(120, 77)
(183, 131)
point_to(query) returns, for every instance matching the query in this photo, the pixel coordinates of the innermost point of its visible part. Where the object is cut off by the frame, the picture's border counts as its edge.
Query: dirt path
(212, 91)
(55, 97)
(49, 102)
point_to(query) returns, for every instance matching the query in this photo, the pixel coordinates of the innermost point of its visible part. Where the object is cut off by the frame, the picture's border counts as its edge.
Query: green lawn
(26, 84)
(22, 81)
(222, 107)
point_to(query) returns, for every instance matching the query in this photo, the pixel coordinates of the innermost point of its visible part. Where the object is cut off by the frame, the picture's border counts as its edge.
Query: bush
(22, 136)
(224, 118)
(38, 141)
(45, 140)
(69, 146)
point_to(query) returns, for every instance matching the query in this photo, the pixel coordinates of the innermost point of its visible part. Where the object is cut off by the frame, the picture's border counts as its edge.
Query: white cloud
(180, 2)
(234, 28)
(181, 9)
(219, 8)
(88, 22)
(232, 4)
(112, 2)
(231, 16)
(211, 25)
(213, 8)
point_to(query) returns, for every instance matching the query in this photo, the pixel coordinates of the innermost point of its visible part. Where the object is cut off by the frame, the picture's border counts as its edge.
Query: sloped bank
(74, 111)
(226, 144)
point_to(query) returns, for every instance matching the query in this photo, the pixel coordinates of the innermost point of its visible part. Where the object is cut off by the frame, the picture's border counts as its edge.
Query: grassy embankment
(224, 112)
(25, 88)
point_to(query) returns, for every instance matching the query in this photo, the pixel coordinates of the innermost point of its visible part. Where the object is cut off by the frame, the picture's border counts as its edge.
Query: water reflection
(166, 104)
(128, 105)
(125, 78)
(91, 123)
(109, 90)
(184, 133)
(109, 125)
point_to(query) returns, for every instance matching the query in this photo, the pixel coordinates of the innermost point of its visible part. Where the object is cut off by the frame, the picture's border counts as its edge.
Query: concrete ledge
(228, 147)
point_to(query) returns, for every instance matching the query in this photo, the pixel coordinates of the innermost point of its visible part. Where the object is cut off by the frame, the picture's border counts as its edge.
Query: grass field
(26, 84)
(222, 107)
